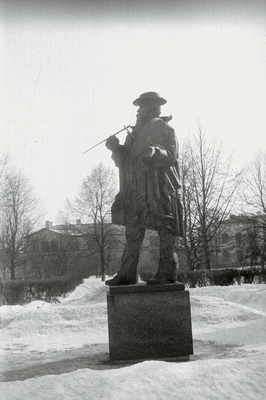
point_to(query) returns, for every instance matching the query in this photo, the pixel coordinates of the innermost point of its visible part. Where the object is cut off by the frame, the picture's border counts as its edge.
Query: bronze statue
(149, 190)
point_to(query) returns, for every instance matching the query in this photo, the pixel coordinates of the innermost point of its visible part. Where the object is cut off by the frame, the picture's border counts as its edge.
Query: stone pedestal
(149, 322)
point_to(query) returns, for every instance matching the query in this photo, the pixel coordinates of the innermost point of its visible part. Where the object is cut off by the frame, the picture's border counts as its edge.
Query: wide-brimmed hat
(149, 96)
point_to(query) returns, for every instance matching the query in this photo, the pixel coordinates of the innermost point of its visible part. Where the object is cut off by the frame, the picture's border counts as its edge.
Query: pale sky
(71, 69)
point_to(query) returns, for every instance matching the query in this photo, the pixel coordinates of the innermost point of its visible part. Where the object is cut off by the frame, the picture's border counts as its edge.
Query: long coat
(149, 186)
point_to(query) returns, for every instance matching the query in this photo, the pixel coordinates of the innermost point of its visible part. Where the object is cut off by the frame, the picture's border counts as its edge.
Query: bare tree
(93, 204)
(40, 264)
(51, 255)
(19, 214)
(255, 198)
(209, 191)
(190, 238)
(255, 183)
(4, 159)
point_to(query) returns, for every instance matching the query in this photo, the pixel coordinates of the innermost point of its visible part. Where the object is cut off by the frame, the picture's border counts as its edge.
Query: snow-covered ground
(60, 351)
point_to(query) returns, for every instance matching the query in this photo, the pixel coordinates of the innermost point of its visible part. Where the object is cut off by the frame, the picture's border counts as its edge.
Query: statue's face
(143, 110)
(148, 110)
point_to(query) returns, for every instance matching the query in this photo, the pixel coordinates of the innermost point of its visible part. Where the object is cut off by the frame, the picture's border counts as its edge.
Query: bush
(252, 274)
(194, 278)
(15, 292)
(25, 291)
(223, 277)
(218, 277)
(261, 278)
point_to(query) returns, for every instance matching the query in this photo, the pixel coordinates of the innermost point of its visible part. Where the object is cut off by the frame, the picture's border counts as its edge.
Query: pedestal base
(149, 322)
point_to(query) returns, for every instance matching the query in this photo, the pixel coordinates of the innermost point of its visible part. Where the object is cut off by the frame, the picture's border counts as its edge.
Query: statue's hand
(111, 143)
(148, 154)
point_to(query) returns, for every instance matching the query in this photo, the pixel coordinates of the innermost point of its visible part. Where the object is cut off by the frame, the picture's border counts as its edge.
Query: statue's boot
(118, 280)
(167, 272)
(159, 281)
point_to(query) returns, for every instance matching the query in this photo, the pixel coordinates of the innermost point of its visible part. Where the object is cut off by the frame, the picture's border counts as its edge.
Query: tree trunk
(12, 269)
(262, 259)
(206, 252)
(103, 265)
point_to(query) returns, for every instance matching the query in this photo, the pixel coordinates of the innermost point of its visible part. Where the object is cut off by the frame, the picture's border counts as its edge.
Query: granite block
(149, 322)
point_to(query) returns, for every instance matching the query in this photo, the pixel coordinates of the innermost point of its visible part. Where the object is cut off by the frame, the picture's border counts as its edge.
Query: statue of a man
(149, 191)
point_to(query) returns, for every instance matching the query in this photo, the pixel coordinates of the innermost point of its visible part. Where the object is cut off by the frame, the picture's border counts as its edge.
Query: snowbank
(209, 379)
(60, 351)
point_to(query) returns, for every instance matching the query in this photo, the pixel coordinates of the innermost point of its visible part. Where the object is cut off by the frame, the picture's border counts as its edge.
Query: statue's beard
(142, 120)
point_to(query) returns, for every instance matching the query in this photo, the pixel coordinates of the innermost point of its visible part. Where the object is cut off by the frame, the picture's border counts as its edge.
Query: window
(45, 246)
(239, 238)
(74, 244)
(239, 256)
(226, 255)
(54, 246)
(225, 238)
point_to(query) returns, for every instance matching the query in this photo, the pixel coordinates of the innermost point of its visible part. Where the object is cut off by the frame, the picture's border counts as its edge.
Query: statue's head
(149, 106)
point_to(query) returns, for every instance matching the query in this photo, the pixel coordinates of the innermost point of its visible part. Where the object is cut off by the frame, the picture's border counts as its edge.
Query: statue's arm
(165, 154)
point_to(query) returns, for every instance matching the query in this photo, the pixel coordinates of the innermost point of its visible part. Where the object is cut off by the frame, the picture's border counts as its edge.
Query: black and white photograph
(132, 199)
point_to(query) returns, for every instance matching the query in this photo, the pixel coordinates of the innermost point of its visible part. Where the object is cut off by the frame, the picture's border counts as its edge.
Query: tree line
(212, 189)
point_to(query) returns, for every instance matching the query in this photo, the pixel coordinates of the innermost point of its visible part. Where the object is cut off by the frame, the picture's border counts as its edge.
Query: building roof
(76, 230)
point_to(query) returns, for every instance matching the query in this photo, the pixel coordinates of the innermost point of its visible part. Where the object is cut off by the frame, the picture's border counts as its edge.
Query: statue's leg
(168, 263)
(127, 275)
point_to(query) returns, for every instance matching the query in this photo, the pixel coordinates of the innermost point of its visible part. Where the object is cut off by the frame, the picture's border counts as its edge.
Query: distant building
(240, 241)
(69, 249)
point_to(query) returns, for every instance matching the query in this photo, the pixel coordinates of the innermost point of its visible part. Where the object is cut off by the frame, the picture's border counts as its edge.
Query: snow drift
(60, 351)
